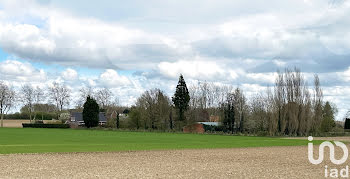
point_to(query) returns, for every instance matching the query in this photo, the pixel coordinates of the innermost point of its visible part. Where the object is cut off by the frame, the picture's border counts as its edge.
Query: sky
(132, 46)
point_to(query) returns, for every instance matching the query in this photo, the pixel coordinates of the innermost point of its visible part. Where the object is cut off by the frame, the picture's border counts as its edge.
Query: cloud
(111, 78)
(62, 38)
(69, 74)
(192, 69)
(21, 72)
(345, 75)
(57, 36)
(268, 78)
(226, 42)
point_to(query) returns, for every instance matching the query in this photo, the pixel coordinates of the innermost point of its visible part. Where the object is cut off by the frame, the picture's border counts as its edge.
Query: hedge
(210, 128)
(26, 125)
(39, 116)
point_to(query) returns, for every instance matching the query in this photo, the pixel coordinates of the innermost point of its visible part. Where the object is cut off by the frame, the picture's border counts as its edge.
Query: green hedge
(39, 116)
(26, 125)
(210, 128)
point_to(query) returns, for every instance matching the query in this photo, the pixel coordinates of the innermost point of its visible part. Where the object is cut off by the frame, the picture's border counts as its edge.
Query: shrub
(54, 122)
(64, 117)
(210, 128)
(35, 125)
(111, 123)
(45, 116)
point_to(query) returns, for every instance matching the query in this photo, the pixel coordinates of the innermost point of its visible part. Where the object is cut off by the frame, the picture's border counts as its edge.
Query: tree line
(38, 103)
(290, 107)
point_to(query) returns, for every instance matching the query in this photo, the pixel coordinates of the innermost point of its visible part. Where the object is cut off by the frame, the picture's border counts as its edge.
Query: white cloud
(345, 75)
(236, 42)
(20, 71)
(111, 78)
(70, 40)
(263, 77)
(192, 69)
(70, 74)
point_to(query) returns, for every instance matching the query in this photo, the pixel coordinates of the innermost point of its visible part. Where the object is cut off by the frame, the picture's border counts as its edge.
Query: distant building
(198, 127)
(213, 118)
(77, 118)
(210, 123)
(194, 128)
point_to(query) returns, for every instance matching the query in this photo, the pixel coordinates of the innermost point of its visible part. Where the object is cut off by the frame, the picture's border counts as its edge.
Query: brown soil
(18, 123)
(264, 162)
(14, 123)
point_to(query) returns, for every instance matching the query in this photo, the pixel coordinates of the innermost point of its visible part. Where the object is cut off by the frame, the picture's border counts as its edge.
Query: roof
(79, 116)
(210, 123)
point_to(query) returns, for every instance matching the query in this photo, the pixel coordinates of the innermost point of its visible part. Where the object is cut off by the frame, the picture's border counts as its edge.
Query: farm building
(77, 118)
(199, 127)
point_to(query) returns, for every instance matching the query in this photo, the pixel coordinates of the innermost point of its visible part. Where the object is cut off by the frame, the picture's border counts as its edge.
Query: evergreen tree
(117, 124)
(328, 118)
(229, 113)
(347, 123)
(91, 112)
(181, 98)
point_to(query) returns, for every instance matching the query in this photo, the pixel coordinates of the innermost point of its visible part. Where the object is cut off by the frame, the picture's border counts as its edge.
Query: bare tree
(104, 97)
(280, 101)
(240, 107)
(84, 93)
(229, 113)
(28, 98)
(60, 95)
(259, 117)
(317, 103)
(155, 108)
(39, 97)
(7, 100)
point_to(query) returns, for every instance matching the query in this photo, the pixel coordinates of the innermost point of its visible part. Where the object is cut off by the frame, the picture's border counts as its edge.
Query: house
(77, 118)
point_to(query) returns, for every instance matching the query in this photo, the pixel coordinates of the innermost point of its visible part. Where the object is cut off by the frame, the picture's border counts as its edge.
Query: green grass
(30, 140)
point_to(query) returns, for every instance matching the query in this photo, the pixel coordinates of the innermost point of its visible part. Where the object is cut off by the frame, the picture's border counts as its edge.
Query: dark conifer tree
(181, 98)
(91, 112)
(117, 121)
(229, 113)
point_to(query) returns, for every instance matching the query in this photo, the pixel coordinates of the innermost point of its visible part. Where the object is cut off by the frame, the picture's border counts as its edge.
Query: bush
(210, 128)
(33, 125)
(64, 117)
(262, 133)
(111, 123)
(45, 116)
(17, 115)
(39, 116)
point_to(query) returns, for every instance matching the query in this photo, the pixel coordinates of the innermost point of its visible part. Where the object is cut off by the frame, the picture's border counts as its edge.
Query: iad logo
(334, 173)
(331, 152)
